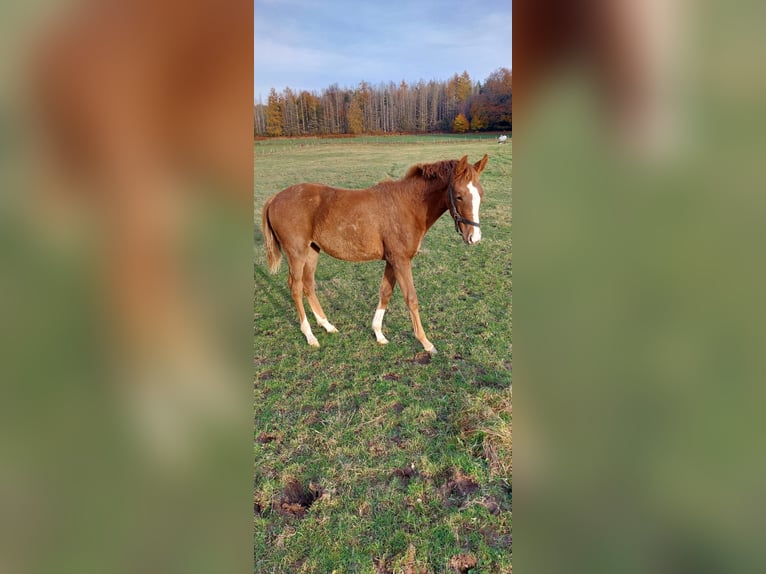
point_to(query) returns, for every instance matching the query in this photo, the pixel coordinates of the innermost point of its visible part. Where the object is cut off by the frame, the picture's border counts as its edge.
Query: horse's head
(465, 195)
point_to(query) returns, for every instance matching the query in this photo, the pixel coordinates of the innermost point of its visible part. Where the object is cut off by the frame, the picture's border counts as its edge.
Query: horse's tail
(273, 248)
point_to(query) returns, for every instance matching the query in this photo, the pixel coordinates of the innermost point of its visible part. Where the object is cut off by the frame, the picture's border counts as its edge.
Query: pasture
(371, 458)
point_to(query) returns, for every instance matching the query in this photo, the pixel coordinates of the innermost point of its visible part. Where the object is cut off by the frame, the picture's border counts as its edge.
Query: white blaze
(475, 202)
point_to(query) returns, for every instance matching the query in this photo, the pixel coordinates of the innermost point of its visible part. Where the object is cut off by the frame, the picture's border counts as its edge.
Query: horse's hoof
(433, 351)
(313, 342)
(383, 341)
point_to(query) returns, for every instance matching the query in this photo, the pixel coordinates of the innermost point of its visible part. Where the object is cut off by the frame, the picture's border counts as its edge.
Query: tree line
(455, 105)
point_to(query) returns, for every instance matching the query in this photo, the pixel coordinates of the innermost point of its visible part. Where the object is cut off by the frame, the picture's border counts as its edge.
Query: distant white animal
(502, 139)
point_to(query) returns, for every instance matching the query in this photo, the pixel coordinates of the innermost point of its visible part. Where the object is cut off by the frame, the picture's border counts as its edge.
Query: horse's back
(300, 203)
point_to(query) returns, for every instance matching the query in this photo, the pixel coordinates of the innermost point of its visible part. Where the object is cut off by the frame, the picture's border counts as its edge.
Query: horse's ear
(461, 165)
(479, 165)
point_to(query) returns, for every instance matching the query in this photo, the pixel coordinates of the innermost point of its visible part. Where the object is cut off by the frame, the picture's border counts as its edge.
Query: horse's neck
(434, 197)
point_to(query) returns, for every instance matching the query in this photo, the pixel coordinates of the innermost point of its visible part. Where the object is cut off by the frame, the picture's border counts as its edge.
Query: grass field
(380, 459)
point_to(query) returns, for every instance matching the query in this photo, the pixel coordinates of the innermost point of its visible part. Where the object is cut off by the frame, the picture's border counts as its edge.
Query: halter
(453, 211)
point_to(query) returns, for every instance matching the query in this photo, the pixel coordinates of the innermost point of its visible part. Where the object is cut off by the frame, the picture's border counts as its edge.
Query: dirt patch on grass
(296, 498)
(397, 407)
(422, 358)
(462, 563)
(494, 538)
(267, 437)
(405, 473)
(376, 449)
(458, 488)
(492, 505)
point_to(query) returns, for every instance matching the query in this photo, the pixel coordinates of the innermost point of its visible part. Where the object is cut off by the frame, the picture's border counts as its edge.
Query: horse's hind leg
(295, 282)
(309, 290)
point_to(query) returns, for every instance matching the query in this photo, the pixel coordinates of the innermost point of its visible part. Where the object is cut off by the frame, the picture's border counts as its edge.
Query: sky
(312, 44)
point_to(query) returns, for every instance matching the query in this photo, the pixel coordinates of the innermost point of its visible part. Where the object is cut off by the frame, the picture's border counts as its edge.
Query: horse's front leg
(403, 274)
(386, 288)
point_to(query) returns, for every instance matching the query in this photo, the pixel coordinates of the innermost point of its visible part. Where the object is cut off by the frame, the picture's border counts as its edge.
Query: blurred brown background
(639, 208)
(126, 291)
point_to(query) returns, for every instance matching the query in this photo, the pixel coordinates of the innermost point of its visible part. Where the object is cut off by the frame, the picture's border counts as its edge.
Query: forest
(456, 105)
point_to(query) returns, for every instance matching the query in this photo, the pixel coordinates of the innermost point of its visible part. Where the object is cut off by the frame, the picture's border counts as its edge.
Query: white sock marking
(323, 322)
(306, 330)
(377, 326)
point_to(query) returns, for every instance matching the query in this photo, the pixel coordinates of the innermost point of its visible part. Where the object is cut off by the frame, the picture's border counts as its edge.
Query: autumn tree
(479, 119)
(460, 124)
(310, 108)
(274, 110)
(458, 94)
(492, 107)
(355, 117)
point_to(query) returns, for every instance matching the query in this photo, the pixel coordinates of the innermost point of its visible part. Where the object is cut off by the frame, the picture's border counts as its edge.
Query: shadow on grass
(265, 291)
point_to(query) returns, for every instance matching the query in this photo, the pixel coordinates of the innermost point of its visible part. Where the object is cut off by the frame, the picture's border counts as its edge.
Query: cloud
(311, 46)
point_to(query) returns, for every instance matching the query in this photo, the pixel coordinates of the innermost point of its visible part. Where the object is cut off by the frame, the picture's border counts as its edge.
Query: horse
(386, 221)
(502, 139)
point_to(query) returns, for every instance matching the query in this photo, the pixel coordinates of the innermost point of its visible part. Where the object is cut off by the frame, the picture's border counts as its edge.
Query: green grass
(367, 460)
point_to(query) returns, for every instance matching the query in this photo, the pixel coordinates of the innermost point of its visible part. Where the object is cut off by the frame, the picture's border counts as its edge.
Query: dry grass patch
(486, 425)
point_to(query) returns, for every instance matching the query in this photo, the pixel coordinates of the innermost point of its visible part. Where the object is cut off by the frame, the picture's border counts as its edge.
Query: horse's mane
(442, 170)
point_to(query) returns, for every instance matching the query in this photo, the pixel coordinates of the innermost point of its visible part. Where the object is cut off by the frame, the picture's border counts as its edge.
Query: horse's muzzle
(474, 237)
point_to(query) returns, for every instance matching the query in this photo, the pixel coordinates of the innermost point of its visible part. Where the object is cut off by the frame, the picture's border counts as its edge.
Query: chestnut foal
(387, 221)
